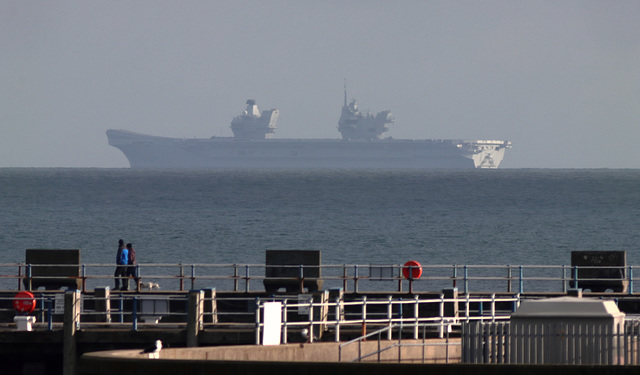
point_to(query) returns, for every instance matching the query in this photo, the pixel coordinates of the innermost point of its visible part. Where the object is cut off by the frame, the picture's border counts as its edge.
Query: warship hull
(146, 151)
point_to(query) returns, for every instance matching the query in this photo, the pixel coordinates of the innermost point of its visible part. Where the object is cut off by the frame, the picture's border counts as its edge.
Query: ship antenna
(345, 92)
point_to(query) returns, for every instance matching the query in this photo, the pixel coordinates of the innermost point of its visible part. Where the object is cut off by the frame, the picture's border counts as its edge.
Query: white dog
(149, 285)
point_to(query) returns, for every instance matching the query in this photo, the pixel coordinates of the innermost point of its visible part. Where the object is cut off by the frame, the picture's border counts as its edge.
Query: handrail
(399, 344)
(364, 316)
(349, 277)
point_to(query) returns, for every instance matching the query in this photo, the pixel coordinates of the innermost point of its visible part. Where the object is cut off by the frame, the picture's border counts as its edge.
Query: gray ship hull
(145, 151)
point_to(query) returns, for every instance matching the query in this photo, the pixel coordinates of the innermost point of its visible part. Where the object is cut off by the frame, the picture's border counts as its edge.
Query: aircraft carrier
(362, 146)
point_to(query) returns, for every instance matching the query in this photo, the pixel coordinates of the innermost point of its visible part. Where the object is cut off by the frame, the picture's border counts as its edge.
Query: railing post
(344, 277)
(509, 276)
(181, 275)
(49, 307)
(521, 277)
(257, 321)
(284, 321)
(441, 313)
(20, 276)
(355, 279)
(246, 278)
(575, 277)
(455, 275)
(390, 315)
(416, 315)
(235, 277)
(29, 279)
(630, 277)
(493, 307)
(136, 279)
(364, 316)
(193, 276)
(400, 343)
(410, 280)
(468, 307)
(400, 278)
(301, 279)
(134, 313)
(379, 336)
(121, 308)
(564, 278)
(338, 317)
(466, 279)
(311, 325)
(84, 278)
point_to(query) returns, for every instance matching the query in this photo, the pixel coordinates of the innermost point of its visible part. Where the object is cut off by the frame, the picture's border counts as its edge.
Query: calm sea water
(354, 217)
(439, 217)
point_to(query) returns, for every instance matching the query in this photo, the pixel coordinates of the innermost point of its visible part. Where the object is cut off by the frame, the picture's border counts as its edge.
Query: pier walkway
(355, 278)
(214, 304)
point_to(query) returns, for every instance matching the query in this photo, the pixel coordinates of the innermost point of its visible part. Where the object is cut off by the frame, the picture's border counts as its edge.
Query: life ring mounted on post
(24, 302)
(412, 270)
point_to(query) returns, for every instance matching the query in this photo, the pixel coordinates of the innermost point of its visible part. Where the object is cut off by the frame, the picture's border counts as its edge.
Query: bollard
(210, 306)
(24, 322)
(103, 302)
(194, 318)
(70, 327)
(451, 308)
(575, 292)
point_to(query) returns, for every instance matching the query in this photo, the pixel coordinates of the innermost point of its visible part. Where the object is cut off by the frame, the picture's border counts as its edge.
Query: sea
(435, 217)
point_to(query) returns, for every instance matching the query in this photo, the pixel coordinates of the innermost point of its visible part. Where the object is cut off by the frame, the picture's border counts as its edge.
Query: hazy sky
(560, 79)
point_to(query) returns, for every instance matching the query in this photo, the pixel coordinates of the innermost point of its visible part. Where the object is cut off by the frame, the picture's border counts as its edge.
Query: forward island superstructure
(253, 146)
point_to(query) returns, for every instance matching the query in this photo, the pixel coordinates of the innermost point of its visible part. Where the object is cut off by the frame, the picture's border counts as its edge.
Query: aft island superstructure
(253, 146)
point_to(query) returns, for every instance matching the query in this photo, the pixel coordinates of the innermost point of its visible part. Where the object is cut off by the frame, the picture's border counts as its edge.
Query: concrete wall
(317, 352)
(109, 365)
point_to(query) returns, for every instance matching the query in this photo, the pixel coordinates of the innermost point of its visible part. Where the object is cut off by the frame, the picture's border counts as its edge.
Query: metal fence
(572, 343)
(385, 344)
(317, 316)
(351, 278)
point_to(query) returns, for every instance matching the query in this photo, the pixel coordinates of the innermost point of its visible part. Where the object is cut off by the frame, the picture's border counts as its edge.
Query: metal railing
(580, 342)
(351, 278)
(338, 315)
(385, 335)
(318, 316)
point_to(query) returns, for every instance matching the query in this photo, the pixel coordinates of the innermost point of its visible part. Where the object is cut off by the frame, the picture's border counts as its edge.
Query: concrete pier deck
(41, 351)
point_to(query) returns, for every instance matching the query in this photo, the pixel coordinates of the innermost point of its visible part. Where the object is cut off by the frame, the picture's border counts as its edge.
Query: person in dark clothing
(121, 262)
(132, 269)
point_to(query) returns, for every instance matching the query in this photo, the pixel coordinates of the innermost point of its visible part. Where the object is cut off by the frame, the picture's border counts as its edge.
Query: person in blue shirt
(132, 270)
(122, 259)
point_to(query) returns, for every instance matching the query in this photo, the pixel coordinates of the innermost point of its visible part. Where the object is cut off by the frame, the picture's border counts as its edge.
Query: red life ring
(416, 270)
(24, 302)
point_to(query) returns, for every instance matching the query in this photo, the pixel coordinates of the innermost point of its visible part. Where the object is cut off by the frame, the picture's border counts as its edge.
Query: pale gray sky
(560, 79)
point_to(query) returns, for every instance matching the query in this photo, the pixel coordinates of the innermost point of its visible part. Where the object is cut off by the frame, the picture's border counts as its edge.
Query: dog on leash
(148, 285)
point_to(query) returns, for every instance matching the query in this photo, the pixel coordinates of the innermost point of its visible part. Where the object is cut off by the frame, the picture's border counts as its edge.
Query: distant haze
(560, 79)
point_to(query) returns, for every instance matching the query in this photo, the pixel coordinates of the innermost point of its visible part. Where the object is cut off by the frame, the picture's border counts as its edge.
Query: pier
(203, 305)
